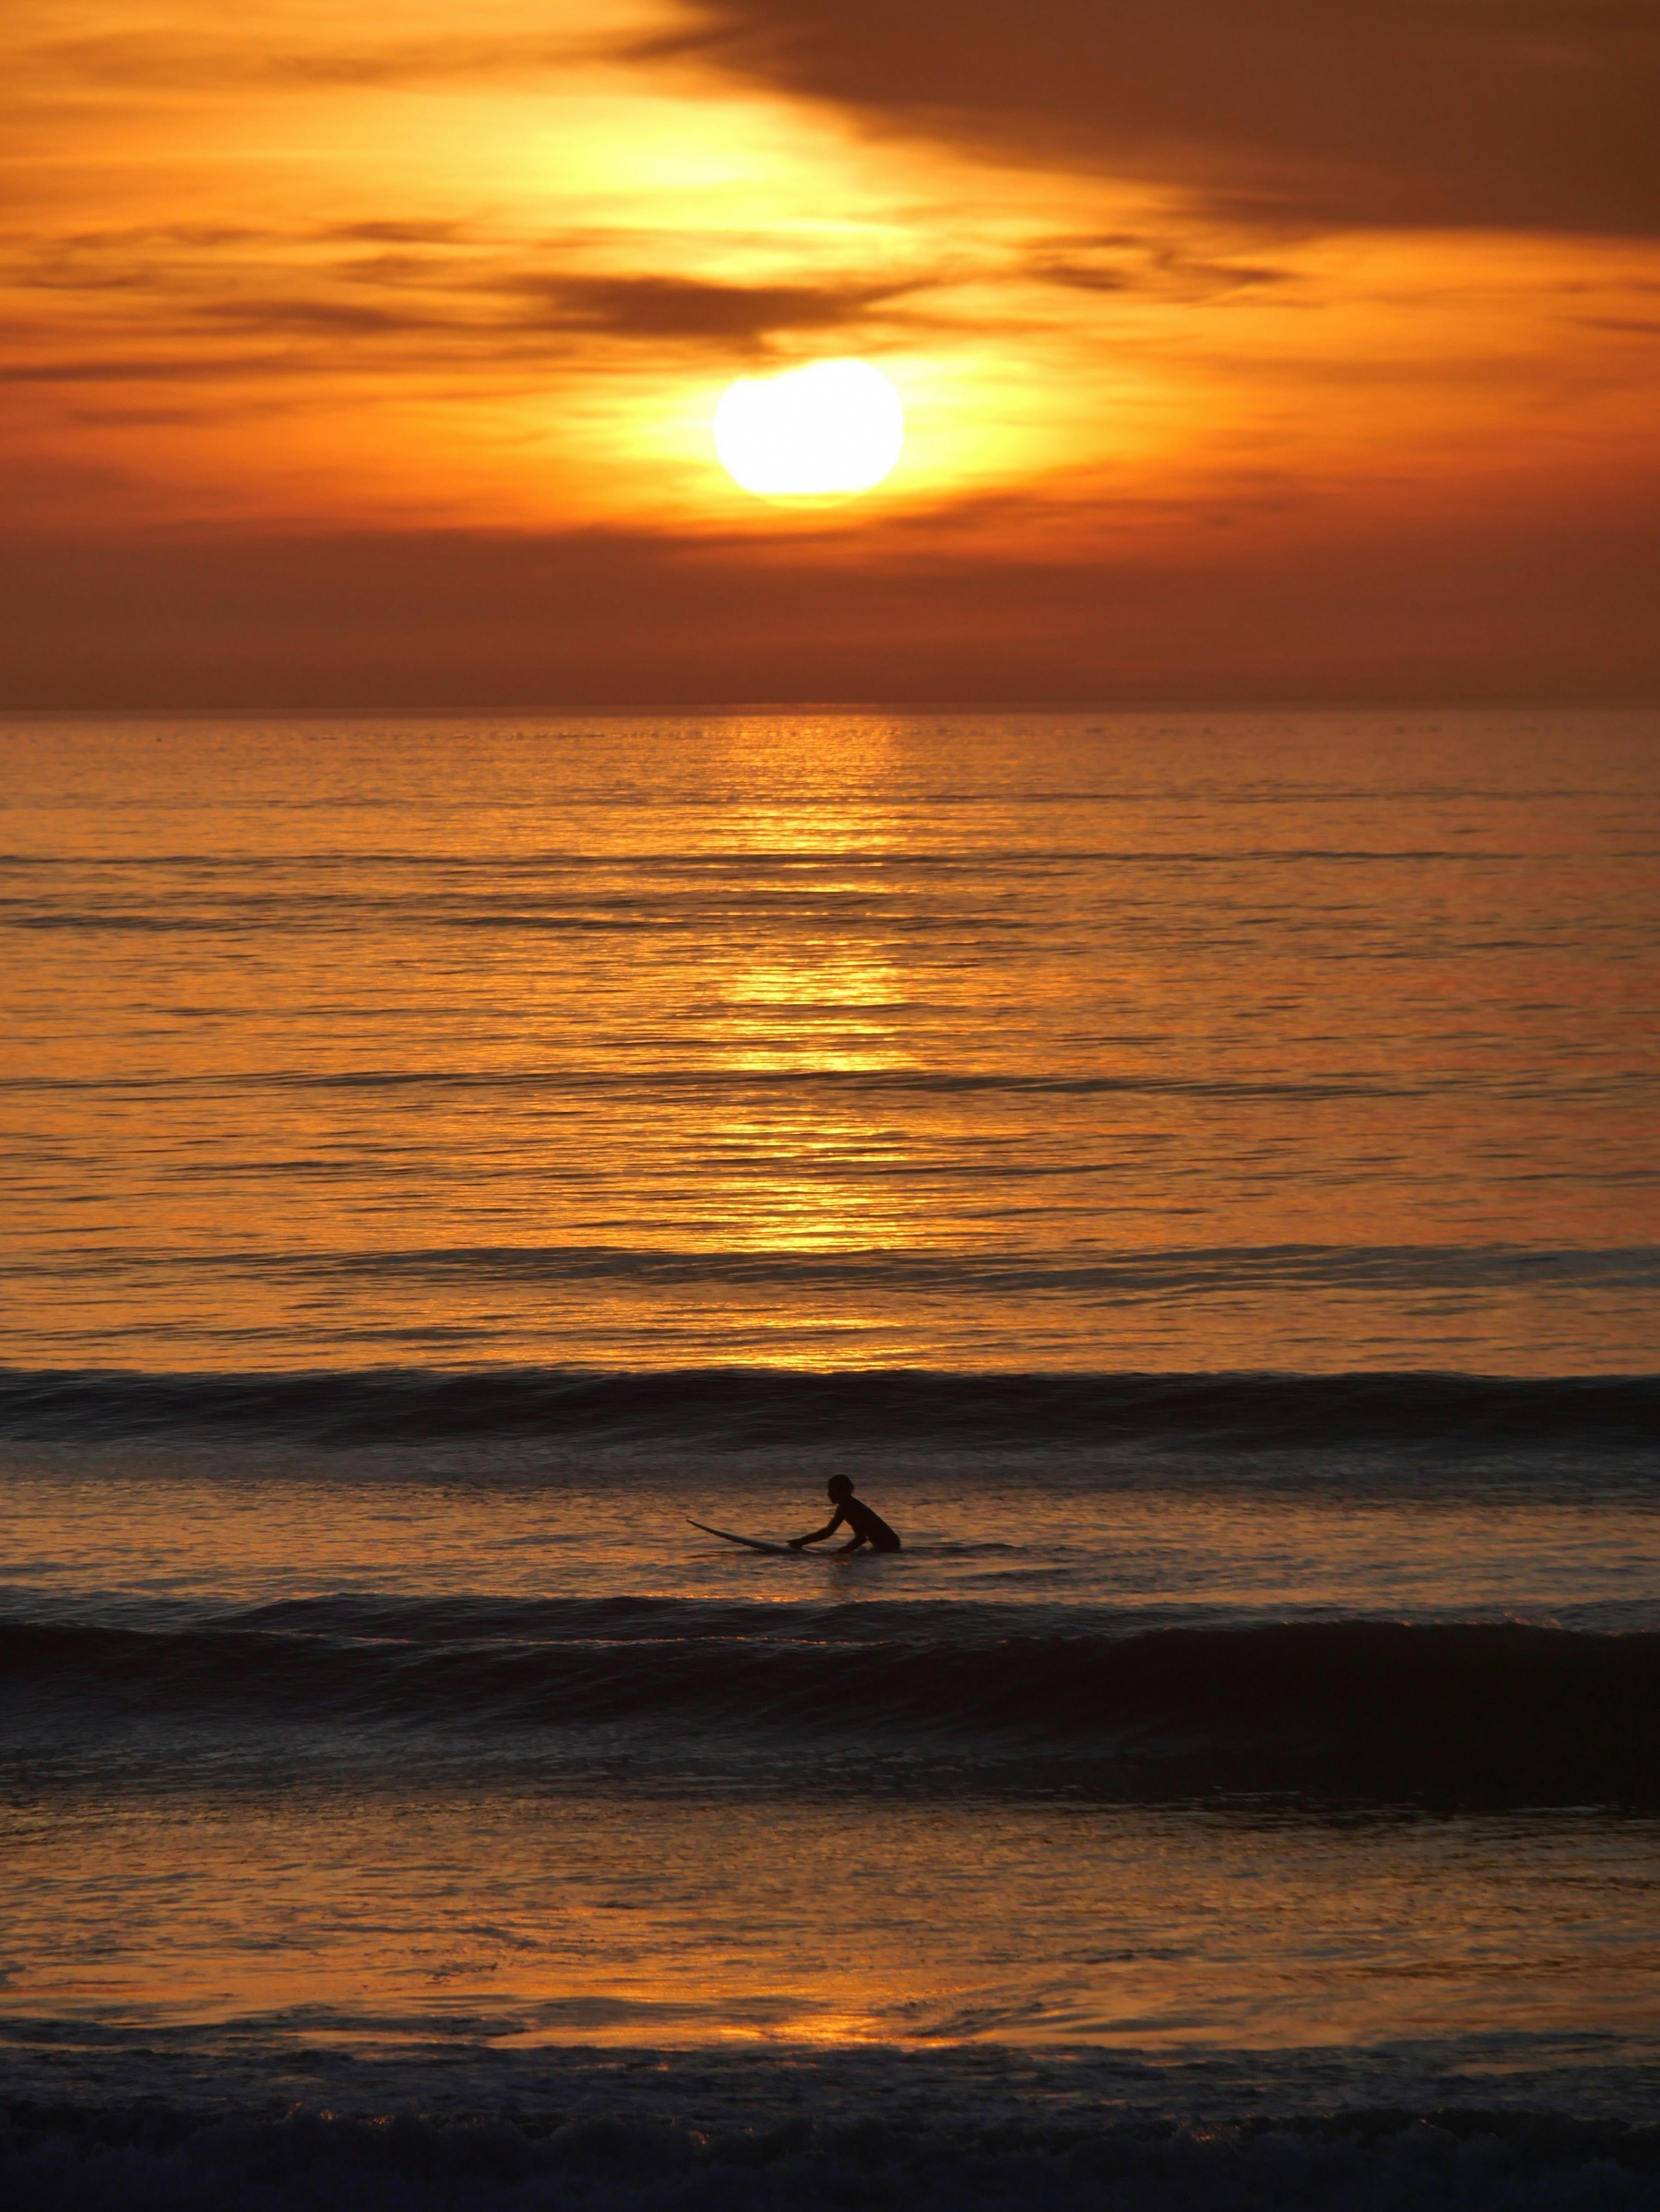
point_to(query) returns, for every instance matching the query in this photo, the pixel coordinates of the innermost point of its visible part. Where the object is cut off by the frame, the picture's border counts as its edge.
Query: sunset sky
(366, 354)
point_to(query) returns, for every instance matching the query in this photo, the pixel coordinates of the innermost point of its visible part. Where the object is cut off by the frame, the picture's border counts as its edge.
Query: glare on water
(1189, 1043)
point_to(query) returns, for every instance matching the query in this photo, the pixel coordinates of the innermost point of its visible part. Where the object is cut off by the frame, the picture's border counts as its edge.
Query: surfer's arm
(818, 1535)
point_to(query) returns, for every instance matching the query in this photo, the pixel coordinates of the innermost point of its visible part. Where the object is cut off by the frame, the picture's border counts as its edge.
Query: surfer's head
(839, 1486)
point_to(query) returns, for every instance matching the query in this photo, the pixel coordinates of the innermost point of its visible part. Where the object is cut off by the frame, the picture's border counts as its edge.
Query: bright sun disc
(836, 426)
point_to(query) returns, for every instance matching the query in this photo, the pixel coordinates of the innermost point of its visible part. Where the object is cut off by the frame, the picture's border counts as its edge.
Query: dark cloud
(467, 304)
(509, 303)
(180, 368)
(676, 307)
(1450, 113)
(1124, 263)
(323, 317)
(399, 233)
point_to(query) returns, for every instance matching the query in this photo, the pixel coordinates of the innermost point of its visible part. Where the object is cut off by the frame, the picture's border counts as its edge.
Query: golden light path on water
(1028, 1043)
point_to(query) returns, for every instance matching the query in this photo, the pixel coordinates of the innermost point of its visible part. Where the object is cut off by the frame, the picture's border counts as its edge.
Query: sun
(834, 426)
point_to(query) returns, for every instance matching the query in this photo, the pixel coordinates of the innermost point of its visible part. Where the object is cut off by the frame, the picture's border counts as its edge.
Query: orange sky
(366, 354)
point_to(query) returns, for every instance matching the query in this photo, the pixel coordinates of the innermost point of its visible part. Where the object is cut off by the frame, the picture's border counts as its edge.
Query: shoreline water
(661, 2131)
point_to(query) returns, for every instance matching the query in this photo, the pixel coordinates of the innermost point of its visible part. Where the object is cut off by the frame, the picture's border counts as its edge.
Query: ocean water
(1195, 1174)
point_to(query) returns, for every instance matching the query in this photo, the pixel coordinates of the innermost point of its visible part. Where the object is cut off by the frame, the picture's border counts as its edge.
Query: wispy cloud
(472, 295)
(170, 58)
(680, 307)
(1125, 262)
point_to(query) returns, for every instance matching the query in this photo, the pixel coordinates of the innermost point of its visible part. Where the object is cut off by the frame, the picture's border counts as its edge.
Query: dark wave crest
(739, 1407)
(1185, 1270)
(1373, 1711)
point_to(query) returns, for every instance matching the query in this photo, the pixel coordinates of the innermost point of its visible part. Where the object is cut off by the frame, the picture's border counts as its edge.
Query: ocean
(1195, 1174)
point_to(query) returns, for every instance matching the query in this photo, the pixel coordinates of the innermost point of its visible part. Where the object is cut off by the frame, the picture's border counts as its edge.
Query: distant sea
(1195, 1173)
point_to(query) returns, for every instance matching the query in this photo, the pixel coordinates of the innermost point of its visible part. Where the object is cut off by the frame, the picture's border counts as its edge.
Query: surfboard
(750, 1543)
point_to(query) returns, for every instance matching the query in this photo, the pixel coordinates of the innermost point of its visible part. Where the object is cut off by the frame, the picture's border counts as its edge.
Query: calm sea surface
(1197, 1174)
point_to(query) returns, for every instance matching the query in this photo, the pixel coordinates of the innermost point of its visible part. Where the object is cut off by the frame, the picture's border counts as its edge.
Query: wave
(1182, 1271)
(619, 1084)
(736, 1407)
(1369, 1709)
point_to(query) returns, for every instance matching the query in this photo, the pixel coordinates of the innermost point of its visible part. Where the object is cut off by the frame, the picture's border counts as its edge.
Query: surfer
(866, 1527)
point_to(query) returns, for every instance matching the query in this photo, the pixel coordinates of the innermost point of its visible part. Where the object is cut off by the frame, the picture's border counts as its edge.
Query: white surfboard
(750, 1543)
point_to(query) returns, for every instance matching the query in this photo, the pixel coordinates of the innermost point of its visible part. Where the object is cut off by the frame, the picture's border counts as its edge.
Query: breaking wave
(747, 1406)
(1373, 1711)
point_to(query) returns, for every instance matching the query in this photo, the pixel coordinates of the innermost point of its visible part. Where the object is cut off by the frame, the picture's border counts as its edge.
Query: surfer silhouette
(866, 1527)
